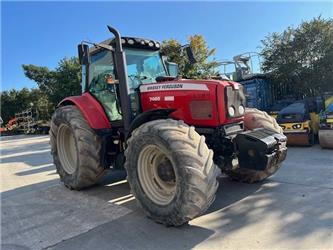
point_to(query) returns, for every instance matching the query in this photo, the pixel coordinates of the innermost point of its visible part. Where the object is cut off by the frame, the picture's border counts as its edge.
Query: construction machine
(12, 124)
(245, 68)
(274, 109)
(26, 121)
(325, 133)
(299, 122)
(9, 128)
(172, 135)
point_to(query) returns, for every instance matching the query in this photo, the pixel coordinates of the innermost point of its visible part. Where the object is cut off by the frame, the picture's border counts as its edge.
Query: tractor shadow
(230, 192)
(238, 206)
(114, 188)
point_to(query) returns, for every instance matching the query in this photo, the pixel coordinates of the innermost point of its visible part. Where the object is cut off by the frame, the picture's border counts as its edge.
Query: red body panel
(92, 111)
(179, 94)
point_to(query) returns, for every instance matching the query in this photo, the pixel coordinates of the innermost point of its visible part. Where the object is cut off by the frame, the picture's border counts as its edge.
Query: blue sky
(42, 33)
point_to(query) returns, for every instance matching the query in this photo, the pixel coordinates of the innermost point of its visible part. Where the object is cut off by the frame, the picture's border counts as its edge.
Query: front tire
(254, 118)
(171, 171)
(76, 149)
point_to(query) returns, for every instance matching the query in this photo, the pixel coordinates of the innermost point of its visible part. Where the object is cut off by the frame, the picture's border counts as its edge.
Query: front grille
(234, 98)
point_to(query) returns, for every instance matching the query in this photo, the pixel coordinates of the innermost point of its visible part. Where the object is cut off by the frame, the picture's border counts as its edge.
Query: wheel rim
(156, 175)
(66, 149)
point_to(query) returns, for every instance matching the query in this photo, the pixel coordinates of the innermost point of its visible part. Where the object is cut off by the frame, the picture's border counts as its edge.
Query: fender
(149, 116)
(91, 109)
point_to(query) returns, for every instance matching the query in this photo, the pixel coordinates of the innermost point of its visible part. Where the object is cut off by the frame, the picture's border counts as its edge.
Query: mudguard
(91, 109)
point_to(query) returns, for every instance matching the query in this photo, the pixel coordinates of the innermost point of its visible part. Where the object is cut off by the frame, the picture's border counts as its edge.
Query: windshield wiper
(100, 45)
(140, 78)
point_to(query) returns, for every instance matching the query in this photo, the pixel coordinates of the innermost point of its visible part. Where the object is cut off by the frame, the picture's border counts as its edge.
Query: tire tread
(89, 147)
(187, 144)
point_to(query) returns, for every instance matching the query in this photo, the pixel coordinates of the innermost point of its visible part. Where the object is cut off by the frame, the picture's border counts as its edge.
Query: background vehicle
(168, 133)
(325, 133)
(10, 127)
(246, 69)
(298, 123)
(278, 106)
(26, 122)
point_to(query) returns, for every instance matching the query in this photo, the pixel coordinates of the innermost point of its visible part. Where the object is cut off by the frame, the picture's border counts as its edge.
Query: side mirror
(172, 68)
(190, 54)
(83, 51)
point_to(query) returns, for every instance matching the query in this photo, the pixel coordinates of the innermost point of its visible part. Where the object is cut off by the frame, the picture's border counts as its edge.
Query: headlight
(151, 44)
(157, 45)
(231, 111)
(283, 127)
(241, 110)
(123, 41)
(297, 126)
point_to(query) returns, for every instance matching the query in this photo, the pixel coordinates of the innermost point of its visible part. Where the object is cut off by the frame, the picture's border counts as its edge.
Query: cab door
(103, 84)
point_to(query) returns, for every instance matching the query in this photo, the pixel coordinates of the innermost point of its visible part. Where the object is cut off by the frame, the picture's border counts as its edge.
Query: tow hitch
(260, 148)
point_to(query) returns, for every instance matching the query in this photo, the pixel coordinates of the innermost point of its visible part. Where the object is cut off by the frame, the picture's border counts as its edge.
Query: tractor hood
(202, 103)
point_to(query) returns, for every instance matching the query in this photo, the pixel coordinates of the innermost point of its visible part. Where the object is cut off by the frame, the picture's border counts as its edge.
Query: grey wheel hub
(156, 175)
(66, 147)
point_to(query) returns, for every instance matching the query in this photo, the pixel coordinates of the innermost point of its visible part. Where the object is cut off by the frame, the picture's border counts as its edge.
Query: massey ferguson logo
(165, 86)
(172, 86)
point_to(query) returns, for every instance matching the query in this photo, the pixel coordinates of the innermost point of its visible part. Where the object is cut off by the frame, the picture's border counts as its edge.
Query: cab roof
(130, 42)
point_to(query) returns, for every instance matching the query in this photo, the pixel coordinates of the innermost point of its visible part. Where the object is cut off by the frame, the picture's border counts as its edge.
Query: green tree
(300, 60)
(205, 66)
(57, 84)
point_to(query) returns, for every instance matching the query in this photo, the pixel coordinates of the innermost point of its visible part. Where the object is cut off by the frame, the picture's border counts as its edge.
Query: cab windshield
(143, 66)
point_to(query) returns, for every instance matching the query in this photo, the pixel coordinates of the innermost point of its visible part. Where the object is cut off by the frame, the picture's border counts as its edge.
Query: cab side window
(103, 83)
(100, 69)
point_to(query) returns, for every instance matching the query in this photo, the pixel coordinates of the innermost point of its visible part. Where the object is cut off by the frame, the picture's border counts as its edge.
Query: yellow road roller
(278, 106)
(298, 123)
(325, 133)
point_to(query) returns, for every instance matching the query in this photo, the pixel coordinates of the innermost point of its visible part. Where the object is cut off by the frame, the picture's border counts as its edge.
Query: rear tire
(254, 118)
(190, 186)
(75, 148)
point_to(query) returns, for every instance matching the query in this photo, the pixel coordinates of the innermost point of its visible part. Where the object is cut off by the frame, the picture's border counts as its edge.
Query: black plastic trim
(149, 116)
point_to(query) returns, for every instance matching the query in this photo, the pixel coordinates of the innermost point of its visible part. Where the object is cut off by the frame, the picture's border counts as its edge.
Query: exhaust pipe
(120, 63)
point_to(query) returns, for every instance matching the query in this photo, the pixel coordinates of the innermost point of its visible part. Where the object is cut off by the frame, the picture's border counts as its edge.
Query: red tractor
(173, 136)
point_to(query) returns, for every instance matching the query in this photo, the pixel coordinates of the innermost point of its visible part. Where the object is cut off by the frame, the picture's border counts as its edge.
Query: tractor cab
(144, 64)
